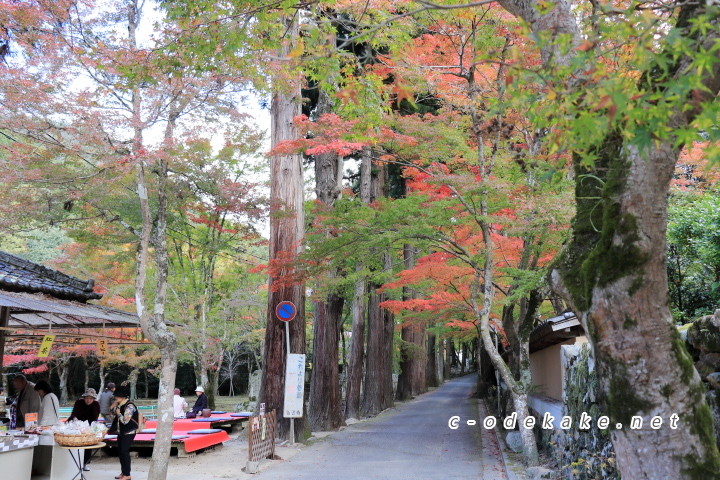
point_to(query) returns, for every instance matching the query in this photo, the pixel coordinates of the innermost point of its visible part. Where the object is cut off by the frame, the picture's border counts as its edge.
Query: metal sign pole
(287, 359)
(285, 311)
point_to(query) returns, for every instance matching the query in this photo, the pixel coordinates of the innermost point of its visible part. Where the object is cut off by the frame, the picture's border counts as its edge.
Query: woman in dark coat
(86, 408)
(125, 426)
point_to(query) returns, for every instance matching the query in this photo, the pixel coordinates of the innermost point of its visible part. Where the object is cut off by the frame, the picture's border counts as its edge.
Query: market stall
(40, 307)
(16, 454)
(51, 461)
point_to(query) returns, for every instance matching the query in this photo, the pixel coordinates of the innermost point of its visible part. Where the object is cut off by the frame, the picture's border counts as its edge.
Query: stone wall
(702, 339)
(586, 455)
(579, 454)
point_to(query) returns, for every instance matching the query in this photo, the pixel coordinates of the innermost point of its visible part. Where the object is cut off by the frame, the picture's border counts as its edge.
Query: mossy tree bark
(613, 275)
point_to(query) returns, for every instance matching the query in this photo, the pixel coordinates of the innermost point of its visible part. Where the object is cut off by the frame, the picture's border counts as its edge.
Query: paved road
(412, 441)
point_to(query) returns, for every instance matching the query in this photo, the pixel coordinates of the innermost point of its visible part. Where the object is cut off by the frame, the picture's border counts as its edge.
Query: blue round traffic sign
(285, 311)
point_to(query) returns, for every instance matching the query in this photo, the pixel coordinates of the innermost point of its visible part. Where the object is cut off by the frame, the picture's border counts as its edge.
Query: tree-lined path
(412, 441)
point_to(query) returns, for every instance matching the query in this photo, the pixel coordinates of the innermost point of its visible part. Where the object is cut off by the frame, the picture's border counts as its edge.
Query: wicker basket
(81, 440)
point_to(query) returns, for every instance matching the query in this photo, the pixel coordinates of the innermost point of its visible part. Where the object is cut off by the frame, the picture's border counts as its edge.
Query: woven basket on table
(79, 440)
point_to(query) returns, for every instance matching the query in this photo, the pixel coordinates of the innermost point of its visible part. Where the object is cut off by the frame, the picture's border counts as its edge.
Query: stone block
(514, 441)
(540, 473)
(704, 334)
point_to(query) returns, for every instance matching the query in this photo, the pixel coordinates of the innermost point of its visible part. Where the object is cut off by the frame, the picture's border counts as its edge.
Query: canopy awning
(38, 311)
(29, 316)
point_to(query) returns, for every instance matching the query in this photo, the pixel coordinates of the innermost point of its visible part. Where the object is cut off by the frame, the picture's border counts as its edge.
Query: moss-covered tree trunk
(612, 273)
(614, 277)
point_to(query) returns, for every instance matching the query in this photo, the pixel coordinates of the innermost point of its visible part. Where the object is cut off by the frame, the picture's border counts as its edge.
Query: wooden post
(4, 320)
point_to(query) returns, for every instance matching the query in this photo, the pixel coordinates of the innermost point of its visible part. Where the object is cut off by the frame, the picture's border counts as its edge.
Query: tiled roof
(19, 275)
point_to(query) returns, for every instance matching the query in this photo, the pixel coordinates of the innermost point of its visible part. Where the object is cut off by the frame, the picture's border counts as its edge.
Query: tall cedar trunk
(354, 375)
(386, 373)
(287, 232)
(433, 349)
(325, 412)
(153, 323)
(357, 350)
(372, 386)
(613, 274)
(412, 380)
(449, 355)
(377, 386)
(452, 353)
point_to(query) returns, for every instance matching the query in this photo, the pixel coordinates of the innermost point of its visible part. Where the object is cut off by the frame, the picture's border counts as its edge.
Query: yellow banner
(46, 345)
(102, 347)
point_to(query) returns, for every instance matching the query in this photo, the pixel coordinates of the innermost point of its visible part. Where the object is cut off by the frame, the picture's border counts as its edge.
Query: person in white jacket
(179, 404)
(49, 405)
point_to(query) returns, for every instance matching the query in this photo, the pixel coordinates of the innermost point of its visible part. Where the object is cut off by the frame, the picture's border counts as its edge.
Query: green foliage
(612, 93)
(694, 254)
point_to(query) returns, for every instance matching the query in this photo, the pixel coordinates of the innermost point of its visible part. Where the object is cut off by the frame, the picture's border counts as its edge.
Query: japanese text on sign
(46, 345)
(102, 347)
(294, 386)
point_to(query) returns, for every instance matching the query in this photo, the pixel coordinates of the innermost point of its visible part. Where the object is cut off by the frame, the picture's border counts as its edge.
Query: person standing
(179, 404)
(202, 401)
(105, 400)
(88, 409)
(49, 405)
(27, 401)
(125, 426)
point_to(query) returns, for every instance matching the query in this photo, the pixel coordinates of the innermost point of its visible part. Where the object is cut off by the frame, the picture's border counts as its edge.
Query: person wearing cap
(125, 426)
(27, 401)
(202, 401)
(88, 409)
(179, 404)
(105, 400)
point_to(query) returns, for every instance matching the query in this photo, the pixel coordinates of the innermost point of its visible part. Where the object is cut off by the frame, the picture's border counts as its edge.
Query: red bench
(185, 442)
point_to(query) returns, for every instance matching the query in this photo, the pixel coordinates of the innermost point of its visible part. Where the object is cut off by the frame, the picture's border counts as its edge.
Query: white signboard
(294, 386)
